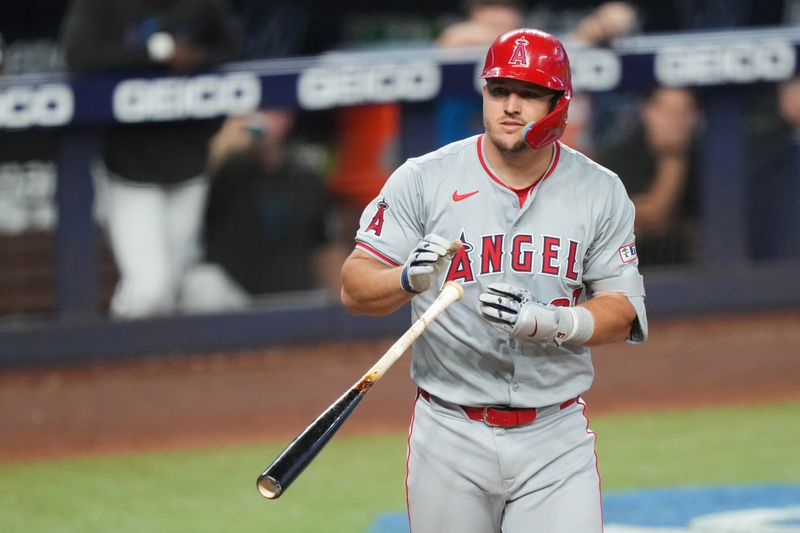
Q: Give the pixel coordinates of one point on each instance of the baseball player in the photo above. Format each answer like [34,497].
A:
[498,439]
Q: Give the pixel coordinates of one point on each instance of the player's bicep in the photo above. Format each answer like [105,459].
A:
[613,246]
[361,266]
[369,286]
[612,263]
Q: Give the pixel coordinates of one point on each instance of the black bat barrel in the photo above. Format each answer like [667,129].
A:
[301,451]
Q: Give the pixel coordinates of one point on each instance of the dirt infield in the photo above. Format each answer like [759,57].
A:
[208,400]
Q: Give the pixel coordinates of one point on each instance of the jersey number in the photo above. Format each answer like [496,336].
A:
[565,302]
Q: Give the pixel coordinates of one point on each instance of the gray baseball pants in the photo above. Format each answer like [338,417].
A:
[466,477]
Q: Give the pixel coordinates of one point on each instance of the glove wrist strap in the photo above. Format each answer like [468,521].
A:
[575,326]
[405,283]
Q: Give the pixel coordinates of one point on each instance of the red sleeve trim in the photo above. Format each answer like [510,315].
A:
[376,254]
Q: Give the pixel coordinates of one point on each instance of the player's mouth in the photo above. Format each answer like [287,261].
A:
[511,126]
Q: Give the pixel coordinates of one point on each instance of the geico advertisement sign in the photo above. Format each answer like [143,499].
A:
[595,69]
[206,96]
[329,86]
[43,105]
[710,64]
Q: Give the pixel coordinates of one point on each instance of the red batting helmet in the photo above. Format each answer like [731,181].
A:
[536,57]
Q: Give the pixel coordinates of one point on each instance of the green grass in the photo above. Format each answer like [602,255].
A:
[700,447]
[355,479]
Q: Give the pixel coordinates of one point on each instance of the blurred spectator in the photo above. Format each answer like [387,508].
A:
[589,113]
[460,117]
[31,31]
[689,15]
[656,160]
[27,175]
[365,151]
[265,221]
[791,12]
[27,214]
[775,184]
[485,20]
[275,29]
[156,189]
[609,21]
[365,147]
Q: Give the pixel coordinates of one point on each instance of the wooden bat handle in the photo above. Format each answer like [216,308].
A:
[451,292]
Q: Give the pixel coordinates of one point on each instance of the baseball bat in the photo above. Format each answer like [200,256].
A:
[291,462]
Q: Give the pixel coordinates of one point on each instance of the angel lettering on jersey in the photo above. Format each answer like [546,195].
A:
[543,254]
[461,264]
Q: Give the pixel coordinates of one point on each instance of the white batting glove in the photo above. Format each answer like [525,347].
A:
[517,312]
[424,264]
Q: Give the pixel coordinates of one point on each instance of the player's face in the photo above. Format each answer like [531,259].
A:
[508,105]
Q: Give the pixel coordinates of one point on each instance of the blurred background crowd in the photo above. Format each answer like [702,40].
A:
[221,214]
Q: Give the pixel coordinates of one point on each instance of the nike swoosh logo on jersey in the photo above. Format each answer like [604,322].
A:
[458,197]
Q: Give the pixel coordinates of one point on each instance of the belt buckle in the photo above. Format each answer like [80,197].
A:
[486,417]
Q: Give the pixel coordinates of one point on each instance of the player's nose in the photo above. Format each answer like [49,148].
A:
[513,104]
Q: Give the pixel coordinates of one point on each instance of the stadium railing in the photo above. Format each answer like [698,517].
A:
[724,278]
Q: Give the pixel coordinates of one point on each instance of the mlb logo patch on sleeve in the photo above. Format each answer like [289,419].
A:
[628,253]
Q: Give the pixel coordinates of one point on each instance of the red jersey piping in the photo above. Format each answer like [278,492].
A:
[521,193]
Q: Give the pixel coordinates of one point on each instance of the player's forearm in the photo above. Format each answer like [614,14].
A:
[613,316]
[371,288]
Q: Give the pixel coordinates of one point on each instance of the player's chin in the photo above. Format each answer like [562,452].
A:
[507,143]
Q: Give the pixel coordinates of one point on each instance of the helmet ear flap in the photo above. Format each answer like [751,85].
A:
[527,128]
[548,129]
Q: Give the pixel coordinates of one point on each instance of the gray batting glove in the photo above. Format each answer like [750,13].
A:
[424,264]
[517,312]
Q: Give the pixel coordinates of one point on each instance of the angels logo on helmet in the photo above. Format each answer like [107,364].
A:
[519,56]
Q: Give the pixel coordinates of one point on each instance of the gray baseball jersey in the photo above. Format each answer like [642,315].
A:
[574,228]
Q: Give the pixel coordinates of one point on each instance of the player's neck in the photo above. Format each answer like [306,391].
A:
[520,169]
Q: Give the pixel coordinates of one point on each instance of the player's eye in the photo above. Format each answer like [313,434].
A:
[534,95]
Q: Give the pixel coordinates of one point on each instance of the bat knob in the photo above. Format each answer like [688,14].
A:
[457,287]
[269,487]
[454,247]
